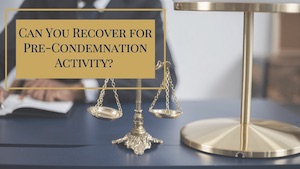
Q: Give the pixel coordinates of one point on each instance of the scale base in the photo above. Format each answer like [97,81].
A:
[138,142]
[259,139]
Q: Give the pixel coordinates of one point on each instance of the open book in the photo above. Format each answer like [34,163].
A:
[13,102]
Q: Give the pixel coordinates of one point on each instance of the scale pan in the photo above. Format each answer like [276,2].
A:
[164,113]
[105,112]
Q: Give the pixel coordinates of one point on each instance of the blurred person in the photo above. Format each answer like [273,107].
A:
[85,95]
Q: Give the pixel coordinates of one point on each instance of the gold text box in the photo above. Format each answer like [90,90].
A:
[85,49]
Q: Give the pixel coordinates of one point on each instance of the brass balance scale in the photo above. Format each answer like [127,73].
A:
[242,137]
[138,139]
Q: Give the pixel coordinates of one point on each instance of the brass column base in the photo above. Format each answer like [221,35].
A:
[259,139]
[137,142]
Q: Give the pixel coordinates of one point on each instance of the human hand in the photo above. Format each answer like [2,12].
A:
[3,95]
[67,94]
[18,83]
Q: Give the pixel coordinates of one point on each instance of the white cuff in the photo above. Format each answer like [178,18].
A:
[91,95]
[10,78]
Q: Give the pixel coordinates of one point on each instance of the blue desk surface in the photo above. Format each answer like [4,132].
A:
[81,140]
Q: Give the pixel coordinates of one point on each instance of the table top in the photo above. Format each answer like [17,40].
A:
[273,6]
[80,140]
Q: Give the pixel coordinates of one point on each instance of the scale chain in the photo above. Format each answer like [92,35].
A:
[102,94]
[168,83]
[156,96]
[174,96]
[116,95]
[167,90]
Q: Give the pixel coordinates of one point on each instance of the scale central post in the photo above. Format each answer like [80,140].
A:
[247,68]
[247,80]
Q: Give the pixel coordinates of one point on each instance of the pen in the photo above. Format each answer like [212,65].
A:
[4,94]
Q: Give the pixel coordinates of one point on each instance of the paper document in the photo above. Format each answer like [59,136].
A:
[13,102]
